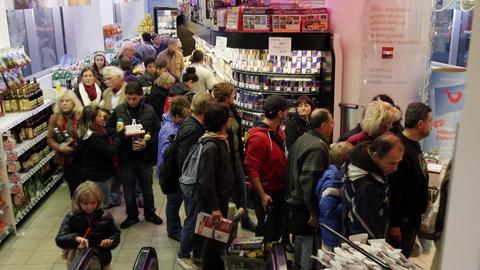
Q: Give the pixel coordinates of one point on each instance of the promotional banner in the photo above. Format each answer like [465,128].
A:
[26,4]
[396,49]
[446,98]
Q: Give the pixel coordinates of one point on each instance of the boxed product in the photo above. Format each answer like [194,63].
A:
[316,20]
[249,243]
[256,20]
[286,20]
[209,227]
[234,22]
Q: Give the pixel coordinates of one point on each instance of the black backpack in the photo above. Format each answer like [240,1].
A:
[169,174]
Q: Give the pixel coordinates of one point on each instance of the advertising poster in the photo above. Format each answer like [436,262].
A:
[26,4]
[396,48]
[446,98]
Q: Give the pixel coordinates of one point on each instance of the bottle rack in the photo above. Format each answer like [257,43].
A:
[27,172]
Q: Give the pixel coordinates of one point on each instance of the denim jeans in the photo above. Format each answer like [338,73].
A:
[240,187]
[303,249]
[130,172]
[105,186]
[212,249]
[189,241]
[271,224]
[115,191]
[174,224]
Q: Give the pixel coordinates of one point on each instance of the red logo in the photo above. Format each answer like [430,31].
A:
[387,52]
[438,123]
[454,97]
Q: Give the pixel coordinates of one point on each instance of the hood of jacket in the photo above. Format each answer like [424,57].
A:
[361,164]
[274,136]
[167,118]
[179,89]
[212,136]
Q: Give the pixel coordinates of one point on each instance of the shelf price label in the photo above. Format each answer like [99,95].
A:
[280,46]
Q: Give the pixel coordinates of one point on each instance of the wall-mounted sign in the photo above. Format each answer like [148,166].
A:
[280,46]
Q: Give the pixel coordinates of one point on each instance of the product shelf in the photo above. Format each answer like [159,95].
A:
[278,75]
[271,92]
[24,146]
[4,235]
[36,200]
[24,177]
[10,120]
[260,112]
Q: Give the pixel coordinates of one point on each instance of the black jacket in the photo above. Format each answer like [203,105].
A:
[157,99]
[145,115]
[76,224]
[179,89]
[294,128]
[186,37]
[239,137]
[188,134]
[216,177]
[146,80]
[97,156]
[409,184]
[366,194]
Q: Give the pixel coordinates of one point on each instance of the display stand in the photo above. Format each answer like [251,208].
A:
[165,21]
[27,173]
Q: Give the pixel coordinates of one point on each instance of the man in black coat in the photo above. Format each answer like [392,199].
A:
[138,153]
[409,184]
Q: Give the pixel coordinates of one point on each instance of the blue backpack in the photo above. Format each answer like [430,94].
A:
[189,179]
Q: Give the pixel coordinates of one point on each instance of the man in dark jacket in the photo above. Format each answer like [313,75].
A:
[190,131]
[265,165]
[185,35]
[409,184]
[216,179]
[307,160]
[366,185]
[138,155]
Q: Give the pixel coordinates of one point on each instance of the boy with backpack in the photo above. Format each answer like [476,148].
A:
[179,110]
[329,194]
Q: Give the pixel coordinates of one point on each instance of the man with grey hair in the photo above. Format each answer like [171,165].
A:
[366,187]
[308,158]
[174,57]
[127,50]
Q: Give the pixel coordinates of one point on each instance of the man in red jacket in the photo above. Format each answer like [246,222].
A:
[265,165]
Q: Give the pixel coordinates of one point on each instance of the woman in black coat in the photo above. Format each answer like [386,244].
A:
[225,93]
[299,124]
[160,91]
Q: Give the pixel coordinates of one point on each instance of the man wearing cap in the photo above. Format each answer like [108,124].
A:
[307,160]
[265,165]
[174,57]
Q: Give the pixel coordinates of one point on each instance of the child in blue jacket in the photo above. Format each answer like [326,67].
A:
[329,194]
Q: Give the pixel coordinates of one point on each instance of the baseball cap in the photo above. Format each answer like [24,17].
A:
[275,103]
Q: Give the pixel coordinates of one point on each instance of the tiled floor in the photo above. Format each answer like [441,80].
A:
[34,246]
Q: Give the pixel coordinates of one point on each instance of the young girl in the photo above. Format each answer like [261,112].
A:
[87,225]
[99,62]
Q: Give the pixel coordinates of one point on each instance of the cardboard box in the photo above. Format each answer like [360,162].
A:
[207,227]
[249,243]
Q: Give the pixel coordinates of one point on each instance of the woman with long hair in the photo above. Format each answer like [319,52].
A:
[300,123]
[97,149]
[99,62]
[62,136]
[225,93]
[88,90]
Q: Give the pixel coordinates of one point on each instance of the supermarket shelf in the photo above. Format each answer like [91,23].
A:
[10,120]
[279,75]
[3,210]
[250,110]
[271,92]
[34,202]
[24,177]
[4,235]
[24,146]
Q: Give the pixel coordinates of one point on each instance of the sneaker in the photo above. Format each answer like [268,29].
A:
[128,222]
[154,219]
[186,263]
[197,261]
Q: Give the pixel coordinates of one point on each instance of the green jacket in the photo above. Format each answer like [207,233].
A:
[307,160]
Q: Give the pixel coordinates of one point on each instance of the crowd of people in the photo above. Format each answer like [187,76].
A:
[373,181]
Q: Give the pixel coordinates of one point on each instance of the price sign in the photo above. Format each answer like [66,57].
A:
[221,45]
[280,46]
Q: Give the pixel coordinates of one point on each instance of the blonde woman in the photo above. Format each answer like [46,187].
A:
[62,136]
[160,92]
[378,119]
[115,93]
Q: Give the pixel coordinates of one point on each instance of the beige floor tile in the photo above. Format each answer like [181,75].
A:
[127,255]
[48,244]
[138,242]
[41,257]
[37,267]
[16,257]
[124,266]
[166,254]
[163,242]
[59,266]
[33,233]
[24,244]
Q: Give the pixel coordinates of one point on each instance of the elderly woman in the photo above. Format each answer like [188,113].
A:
[115,93]
[378,120]
[62,136]
[88,91]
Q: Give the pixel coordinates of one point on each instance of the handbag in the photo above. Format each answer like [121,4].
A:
[69,254]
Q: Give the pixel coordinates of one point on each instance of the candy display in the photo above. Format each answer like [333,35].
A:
[12,59]
[111,30]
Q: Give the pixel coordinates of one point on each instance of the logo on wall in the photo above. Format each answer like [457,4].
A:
[449,99]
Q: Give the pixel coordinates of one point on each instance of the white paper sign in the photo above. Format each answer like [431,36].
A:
[221,45]
[280,46]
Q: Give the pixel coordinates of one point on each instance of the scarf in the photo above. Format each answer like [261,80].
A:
[215,135]
[70,124]
[90,94]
